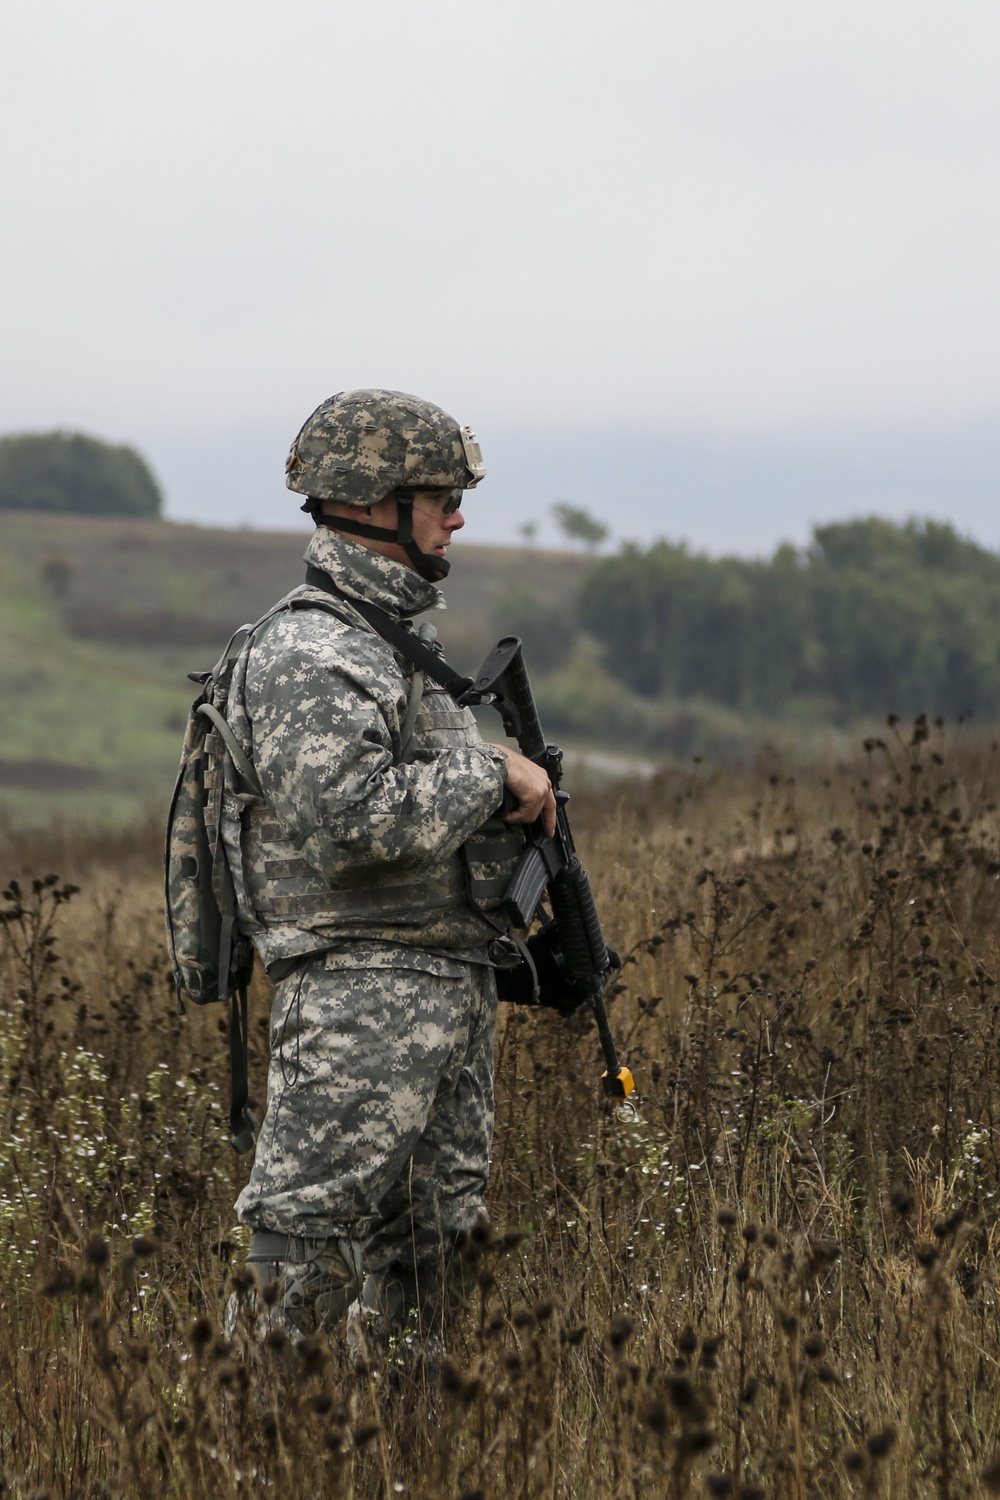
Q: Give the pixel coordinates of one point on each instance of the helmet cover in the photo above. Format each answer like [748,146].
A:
[359,446]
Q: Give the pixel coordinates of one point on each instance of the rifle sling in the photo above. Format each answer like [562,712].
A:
[399,638]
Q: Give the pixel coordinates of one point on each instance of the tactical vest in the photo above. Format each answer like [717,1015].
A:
[289,908]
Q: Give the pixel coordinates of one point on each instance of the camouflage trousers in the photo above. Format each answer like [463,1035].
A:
[380,1105]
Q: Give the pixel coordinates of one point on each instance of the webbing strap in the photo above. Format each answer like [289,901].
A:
[242,761]
[412,709]
[396,636]
[241,1122]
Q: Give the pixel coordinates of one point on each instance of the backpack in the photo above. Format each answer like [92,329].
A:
[212,960]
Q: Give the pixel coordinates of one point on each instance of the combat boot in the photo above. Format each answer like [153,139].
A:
[301,1285]
[400,1315]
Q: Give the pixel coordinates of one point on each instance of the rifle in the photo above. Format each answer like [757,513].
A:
[551,864]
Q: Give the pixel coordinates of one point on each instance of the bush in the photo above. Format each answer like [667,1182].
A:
[68,471]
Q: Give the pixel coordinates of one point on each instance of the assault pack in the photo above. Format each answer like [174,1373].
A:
[212,960]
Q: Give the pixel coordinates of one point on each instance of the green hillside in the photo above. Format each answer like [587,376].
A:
[101,618]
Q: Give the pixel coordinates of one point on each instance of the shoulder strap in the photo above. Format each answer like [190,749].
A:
[396,636]
[243,763]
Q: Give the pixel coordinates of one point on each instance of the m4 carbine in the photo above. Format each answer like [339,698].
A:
[550,864]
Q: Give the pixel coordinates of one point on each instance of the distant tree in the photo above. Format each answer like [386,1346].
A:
[68,471]
[578,524]
[871,615]
[529,531]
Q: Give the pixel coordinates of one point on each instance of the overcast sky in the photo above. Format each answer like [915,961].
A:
[714,269]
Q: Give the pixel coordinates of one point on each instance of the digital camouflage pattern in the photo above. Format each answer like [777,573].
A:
[380,1103]
[380,1092]
[356,841]
[358,446]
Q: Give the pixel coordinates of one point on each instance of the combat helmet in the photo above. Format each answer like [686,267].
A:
[360,446]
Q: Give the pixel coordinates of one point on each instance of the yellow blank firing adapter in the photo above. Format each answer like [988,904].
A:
[618,1087]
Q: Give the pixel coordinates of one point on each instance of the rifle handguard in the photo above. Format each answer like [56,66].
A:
[584,950]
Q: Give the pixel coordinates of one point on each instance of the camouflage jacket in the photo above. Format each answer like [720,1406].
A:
[356,840]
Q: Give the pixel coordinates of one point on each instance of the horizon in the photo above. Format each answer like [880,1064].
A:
[739,494]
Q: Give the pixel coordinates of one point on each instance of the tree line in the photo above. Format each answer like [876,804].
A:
[871,616]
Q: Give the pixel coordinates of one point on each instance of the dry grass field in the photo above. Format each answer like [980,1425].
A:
[781,1280]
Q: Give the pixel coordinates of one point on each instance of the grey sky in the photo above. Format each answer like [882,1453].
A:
[726,240]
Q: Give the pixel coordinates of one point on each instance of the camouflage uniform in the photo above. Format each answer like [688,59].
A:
[370,878]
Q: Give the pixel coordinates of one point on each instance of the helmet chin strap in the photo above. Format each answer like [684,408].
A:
[430,567]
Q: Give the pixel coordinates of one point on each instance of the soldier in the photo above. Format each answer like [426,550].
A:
[370,878]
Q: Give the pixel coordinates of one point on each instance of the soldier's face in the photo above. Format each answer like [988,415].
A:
[435,519]
[433,526]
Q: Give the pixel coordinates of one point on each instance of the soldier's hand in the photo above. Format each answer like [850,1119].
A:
[532,788]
